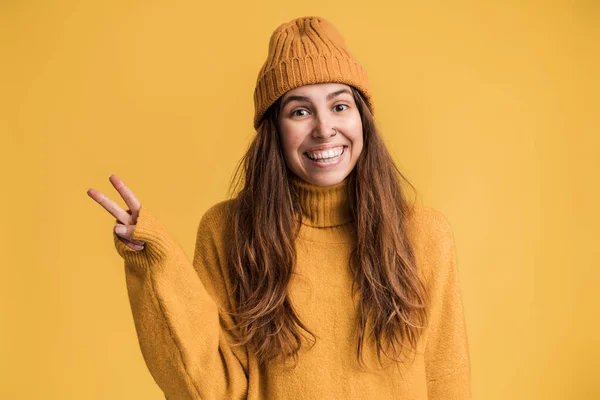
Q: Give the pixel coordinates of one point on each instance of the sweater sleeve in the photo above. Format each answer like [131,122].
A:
[447,360]
[177,321]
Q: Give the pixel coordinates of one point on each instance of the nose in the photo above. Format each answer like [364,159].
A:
[324,129]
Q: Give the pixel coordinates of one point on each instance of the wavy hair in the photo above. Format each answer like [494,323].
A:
[261,258]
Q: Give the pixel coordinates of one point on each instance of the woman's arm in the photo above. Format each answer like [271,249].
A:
[178,322]
[447,360]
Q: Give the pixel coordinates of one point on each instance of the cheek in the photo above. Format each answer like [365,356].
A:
[358,147]
[357,134]
[290,141]
[290,145]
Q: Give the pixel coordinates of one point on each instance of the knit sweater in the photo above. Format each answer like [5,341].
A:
[177,310]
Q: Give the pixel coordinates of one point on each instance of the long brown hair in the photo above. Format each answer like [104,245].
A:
[262,255]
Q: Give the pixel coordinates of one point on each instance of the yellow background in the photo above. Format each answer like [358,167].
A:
[490,109]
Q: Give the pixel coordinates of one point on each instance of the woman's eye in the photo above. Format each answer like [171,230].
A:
[295,111]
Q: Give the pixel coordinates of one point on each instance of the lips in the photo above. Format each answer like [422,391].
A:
[323,152]
[326,147]
[329,162]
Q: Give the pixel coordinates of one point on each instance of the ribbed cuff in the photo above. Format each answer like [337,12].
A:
[159,242]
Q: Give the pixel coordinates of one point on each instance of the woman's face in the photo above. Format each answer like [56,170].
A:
[311,147]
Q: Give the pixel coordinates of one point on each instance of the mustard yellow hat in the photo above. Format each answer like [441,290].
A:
[305,51]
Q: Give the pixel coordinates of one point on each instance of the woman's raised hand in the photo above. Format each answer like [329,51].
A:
[127,220]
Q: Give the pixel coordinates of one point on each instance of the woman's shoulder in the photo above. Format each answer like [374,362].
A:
[219,212]
[213,223]
[429,228]
[428,218]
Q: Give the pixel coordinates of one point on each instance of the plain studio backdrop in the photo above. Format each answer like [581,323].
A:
[489,108]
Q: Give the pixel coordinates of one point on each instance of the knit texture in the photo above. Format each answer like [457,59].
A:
[177,309]
[306,51]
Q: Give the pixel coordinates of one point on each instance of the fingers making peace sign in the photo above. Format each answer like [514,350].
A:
[127,220]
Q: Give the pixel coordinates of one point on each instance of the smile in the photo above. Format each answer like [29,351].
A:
[326,158]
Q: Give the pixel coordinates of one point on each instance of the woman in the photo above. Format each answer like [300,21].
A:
[318,279]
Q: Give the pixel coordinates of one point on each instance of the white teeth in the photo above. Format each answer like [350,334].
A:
[326,156]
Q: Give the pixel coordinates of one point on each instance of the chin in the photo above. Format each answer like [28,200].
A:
[331,180]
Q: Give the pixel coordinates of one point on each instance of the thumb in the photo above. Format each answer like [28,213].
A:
[126,232]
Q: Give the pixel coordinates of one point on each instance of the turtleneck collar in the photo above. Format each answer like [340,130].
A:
[323,206]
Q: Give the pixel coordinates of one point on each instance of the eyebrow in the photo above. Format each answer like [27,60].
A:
[307,99]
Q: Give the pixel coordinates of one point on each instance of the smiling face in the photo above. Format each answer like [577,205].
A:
[313,149]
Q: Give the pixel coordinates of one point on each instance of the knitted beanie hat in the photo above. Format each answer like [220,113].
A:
[305,51]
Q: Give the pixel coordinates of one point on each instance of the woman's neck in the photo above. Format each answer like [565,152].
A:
[323,206]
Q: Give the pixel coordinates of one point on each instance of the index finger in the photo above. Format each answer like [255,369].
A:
[132,202]
[113,208]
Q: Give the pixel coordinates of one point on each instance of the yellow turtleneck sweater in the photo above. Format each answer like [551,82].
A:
[176,309]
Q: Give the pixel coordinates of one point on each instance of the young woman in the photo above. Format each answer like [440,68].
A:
[318,279]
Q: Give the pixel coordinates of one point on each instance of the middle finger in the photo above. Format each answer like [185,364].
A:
[126,193]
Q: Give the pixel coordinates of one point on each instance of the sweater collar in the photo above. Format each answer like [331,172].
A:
[323,206]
